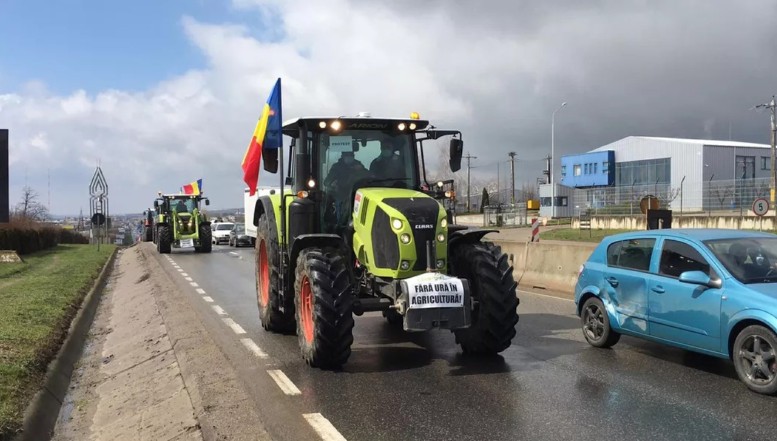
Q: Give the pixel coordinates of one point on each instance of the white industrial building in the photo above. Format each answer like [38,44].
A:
[685,174]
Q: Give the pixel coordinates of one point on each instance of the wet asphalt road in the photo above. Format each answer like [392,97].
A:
[550,385]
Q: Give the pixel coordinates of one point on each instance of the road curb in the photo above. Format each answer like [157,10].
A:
[40,416]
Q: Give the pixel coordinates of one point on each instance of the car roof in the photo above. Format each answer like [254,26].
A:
[700,234]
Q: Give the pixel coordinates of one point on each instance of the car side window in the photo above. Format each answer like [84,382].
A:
[678,257]
[632,254]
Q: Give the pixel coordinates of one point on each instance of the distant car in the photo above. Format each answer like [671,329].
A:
[238,236]
[221,232]
[709,291]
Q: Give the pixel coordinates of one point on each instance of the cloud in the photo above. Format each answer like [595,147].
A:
[686,69]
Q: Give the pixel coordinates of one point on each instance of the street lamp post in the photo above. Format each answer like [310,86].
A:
[552,176]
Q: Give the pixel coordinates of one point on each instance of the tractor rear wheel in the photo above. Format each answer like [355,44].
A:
[324,307]
[490,278]
[268,282]
[165,239]
[147,234]
[205,237]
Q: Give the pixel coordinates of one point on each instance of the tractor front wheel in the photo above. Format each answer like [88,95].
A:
[324,307]
[495,314]
[268,282]
[205,237]
[165,239]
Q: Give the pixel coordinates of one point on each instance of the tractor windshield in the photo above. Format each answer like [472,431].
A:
[363,158]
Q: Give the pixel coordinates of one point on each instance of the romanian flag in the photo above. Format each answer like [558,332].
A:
[267,135]
[193,188]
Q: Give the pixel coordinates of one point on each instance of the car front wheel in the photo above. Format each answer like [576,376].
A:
[596,324]
[755,359]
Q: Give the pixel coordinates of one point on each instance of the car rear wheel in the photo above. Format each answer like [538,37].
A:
[755,359]
[596,324]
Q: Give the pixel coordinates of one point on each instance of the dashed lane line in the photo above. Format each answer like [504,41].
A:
[194,284]
[218,310]
[184,274]
[323,427]
[208,299]
[251,346]
[179,270]
[200,291]
[284,382]
[235,327]
[188,279]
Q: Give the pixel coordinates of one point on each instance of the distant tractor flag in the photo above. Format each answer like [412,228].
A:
[192,188]
[267,135]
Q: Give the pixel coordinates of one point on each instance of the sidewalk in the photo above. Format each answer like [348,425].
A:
[128,384]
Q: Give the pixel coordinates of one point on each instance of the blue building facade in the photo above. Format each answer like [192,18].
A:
[592,169]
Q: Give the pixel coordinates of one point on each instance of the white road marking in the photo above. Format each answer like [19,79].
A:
[235,327]
[194,284]
[200,291]
[184,274]
[179,270]
[188,279]
[283,382]
[218,310]
[234,253]
[323,427]
[208,299]
[251,346]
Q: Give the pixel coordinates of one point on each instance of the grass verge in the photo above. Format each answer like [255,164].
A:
[578,235]
[38,300]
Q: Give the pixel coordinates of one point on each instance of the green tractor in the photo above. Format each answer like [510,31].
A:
[359,228]
[181,224]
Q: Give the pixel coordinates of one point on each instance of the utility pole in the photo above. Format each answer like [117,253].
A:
[498,184]
[468,167]
[512,173]
[771,106]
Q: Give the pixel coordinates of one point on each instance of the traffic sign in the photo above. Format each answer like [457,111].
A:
[98,219]
[760,206]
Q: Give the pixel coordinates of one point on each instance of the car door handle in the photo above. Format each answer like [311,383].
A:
[612,281]
[658,289]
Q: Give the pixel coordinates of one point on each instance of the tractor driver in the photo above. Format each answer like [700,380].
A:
[389,164]
[339,183]
[180,206]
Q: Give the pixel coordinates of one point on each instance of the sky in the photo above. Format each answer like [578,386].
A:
[161,93]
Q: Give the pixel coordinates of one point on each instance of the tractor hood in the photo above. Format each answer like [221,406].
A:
[396,225]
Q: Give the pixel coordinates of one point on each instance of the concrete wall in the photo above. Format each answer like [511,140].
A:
[640,222]
[551,266]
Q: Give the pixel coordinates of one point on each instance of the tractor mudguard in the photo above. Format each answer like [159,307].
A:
[467,236]
[316,240]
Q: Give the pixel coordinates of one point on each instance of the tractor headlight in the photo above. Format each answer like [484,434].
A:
[322,124]
[405,238]
[405,265]
[412,126]
[396,224]
[401,126]
[440,237]
[443,223]
[335,125]
[440,263]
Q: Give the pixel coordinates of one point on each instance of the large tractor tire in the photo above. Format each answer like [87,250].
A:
[268,282]
[206,236]
[148,234]
[324,307]
[490,278]
[165,239]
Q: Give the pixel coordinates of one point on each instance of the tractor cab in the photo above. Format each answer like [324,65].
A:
[180,223]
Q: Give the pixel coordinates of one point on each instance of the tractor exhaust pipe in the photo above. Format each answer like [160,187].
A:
[430,260]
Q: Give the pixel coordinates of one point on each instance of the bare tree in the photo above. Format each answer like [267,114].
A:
[723,193]
[29,208]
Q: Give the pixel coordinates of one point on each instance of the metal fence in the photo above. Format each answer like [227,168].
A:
[721,197]
[505,215]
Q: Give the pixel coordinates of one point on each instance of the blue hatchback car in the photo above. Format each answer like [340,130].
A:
[707,290]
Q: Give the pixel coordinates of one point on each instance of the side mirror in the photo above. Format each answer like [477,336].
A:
[456,152]
[156,204]
[270,160]
[699,278]
[207,201]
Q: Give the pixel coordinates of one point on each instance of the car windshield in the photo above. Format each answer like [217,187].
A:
[239,228]
[224,226]
[749,260]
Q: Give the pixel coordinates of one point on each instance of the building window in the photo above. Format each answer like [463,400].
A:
[577,170]
[605,167]
[586,169]
[745,167]
[766,163]
[563,171]
[595,164]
